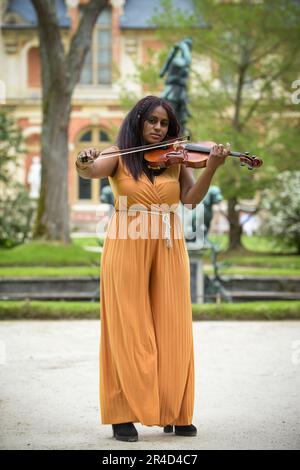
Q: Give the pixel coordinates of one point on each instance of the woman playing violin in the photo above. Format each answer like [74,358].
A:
[146,346]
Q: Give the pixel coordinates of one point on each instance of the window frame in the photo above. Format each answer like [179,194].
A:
[96,183]
[94,51]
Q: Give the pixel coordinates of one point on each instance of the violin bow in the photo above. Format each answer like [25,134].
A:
[142,148]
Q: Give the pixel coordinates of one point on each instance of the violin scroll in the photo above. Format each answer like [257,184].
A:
[252,161]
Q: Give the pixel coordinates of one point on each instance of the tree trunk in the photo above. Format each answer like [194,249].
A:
[60,73]
[52,221]
[235,229]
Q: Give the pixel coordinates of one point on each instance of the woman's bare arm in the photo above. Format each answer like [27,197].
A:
[94,166]
[191,192]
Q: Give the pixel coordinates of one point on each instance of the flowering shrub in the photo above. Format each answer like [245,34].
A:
[16,208]
[282,206]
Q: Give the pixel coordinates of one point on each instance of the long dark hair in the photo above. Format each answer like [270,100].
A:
[131,134]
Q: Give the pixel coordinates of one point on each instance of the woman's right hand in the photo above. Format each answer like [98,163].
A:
[88,155]
[88,165]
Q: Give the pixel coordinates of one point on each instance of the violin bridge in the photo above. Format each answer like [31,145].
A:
[154,167]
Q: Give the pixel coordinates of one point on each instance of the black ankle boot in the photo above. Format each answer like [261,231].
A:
[189,430]
[125,432]
[168,429]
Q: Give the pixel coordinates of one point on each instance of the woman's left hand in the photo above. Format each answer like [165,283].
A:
[217,156]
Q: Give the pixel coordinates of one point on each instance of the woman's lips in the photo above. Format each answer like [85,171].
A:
[155,135]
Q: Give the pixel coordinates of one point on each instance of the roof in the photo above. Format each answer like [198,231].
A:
[138,13]
[21,14]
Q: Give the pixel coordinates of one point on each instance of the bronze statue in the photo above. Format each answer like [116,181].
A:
[178,67]
[213,196]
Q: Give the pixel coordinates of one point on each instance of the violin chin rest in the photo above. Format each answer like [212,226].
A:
[155,167]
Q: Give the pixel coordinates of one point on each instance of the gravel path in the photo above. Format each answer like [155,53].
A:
[247,387]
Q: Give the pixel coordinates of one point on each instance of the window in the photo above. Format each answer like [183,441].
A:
[98,63]
[33,68]
[85,189]
[90,189]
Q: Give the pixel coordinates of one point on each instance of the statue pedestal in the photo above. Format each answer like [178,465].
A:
[194,230]
[196,276]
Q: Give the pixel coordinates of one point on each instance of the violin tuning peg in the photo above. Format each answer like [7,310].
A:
[246,153]
[243,164]
[250,167]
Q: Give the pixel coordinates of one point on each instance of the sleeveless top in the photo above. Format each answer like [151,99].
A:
[164,190]
[162,197]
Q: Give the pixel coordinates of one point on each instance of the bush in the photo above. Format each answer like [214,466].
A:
[16,212]
[282,203]
[16,208]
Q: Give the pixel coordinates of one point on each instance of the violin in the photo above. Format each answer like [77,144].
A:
[176,150]
[193,155]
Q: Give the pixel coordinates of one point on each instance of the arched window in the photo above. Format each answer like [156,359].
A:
[90,189]
[98,62]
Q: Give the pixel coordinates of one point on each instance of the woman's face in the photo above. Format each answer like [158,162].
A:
[156,125]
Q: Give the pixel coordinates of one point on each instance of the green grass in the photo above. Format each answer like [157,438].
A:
[266,245]
[41,271]
[271,261]
[255,243]
[26,309]
[88,241]
[252,271]
[47,254]
[82,271]
[275,310]
[56,259]
[271,310]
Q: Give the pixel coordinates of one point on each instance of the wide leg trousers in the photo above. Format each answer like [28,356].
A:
[146,343]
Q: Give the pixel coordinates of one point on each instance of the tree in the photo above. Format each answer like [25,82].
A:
[253,48]
[60,73]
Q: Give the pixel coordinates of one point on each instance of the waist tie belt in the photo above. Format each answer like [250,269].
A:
[165,218]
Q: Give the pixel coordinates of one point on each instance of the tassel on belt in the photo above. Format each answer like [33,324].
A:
[165,218]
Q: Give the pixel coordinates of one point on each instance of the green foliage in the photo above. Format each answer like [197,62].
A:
[243,94]
[253,48]
[282,203]
[127,98]
[10,145]
[146,76]
[16,208]
[16,212]
[246,98]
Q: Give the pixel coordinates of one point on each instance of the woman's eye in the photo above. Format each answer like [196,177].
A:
[154,120]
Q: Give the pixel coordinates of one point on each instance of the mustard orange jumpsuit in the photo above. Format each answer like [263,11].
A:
[146,341]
